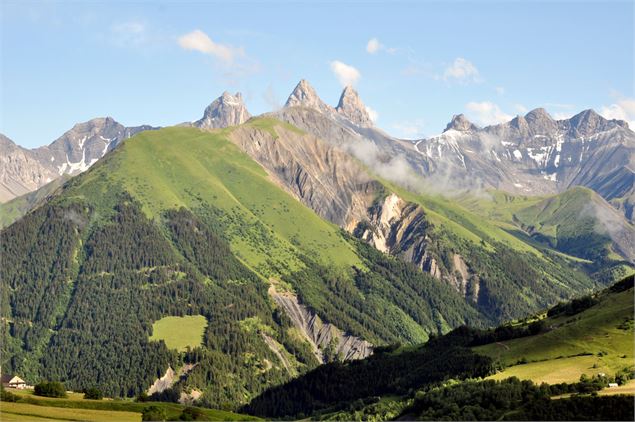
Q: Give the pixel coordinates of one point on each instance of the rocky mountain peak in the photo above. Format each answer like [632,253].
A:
[352,107]
[538,115]
[588,123]
[461,123]
[226,110]
[540,121]
[305,96]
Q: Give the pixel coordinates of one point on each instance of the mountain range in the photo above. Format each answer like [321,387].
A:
[529,155]
[301,236]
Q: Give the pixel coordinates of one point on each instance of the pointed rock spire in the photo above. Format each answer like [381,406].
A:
[461,123]
[305,96]
[352,107]
[226,110]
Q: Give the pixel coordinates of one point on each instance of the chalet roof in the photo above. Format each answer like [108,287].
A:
[12,379]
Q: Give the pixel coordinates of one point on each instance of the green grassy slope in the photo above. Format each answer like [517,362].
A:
[177,167]
[568,222]
[17,207]
[598,339]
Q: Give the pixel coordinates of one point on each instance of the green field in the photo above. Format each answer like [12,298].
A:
[24,411]
[599,339]
[31,407]
[179,333]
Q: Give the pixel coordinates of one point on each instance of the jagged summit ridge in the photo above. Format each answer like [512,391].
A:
[304,95]
[352,107]
[226,110]
[461,123]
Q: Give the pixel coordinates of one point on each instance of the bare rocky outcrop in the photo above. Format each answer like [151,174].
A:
[23,170]
[319,334]
[227,110]
[163,383]
[170,378]
[351,107]
[20,171]
[191,397]
[304,95]
[320,175]
[400,228]
[461,123]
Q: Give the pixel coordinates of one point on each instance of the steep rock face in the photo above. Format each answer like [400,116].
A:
[304,95]
[24,171]
[400,228]
[79,148]
[318,174]
[461,123]
[351,107]
[319,334]
[227,110]
[20,170]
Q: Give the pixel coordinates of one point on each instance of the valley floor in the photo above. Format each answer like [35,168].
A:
[74,408]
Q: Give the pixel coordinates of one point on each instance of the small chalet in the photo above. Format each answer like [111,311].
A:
[13,381]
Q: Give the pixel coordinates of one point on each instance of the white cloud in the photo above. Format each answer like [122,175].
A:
[500,90]
[410,129]
[622,109]
[346,74]
[521,108]
[373,46]
[372,114]
[462,71]
[486,113]
[198,40]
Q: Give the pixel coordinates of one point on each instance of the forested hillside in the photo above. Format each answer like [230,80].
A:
[441,378]
[181,222]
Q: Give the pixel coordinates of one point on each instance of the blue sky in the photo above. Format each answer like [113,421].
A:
[161,63]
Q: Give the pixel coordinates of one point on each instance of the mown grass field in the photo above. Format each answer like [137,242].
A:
[24,411]
[179,333]
[554,356]
[31,407]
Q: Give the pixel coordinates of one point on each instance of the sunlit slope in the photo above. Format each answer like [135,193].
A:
[600,339]
[184,167]
[577,222]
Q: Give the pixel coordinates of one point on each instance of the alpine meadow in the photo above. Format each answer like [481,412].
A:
[310,259]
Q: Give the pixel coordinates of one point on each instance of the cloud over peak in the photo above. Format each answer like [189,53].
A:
[345,74]
[198,40]
[486,113]
[622,109]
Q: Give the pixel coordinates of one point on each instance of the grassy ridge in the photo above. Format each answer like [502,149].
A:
[177,167]
[599,339]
